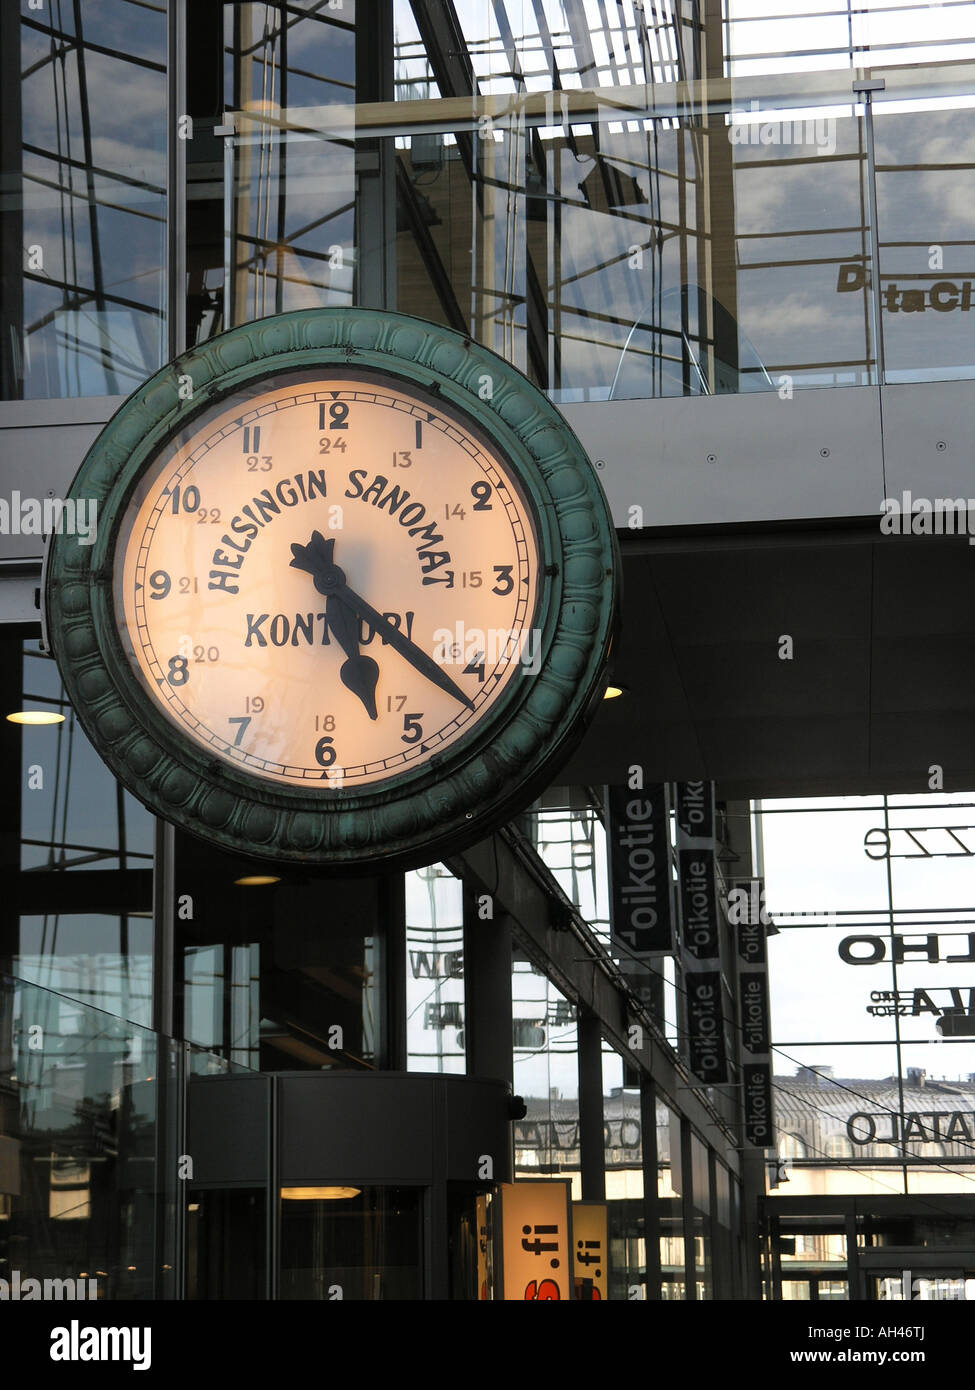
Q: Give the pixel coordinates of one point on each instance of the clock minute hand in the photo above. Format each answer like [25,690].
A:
[402,644]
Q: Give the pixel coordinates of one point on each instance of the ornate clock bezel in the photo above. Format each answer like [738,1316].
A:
[483,778]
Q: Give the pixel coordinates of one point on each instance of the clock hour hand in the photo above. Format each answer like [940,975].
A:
[359,673]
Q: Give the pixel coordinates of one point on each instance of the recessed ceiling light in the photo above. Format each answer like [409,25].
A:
[36,716]
[256,880]
[318,1194]
[613,692]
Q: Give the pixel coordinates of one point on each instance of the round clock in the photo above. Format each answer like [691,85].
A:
[352,591]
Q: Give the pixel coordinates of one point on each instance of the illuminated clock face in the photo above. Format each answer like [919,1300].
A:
[328,579]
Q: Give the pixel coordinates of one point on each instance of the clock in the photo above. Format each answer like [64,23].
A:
[351,595]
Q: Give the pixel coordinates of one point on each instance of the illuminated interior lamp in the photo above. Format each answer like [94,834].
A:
[36,716]
[318,1194]
[256,880]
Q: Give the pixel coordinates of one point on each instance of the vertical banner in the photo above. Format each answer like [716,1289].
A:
[536,1231]
[590,1251]
[700,940]
[638,834]
[705,1026]
[746,913]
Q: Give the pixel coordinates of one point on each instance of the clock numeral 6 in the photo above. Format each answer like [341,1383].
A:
[325,754]
[412,729]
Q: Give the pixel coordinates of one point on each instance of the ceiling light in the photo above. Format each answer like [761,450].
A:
[613,692]
[256,880]
[318,1194]
[36,716]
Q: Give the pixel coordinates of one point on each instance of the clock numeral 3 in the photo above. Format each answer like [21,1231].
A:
[505,582]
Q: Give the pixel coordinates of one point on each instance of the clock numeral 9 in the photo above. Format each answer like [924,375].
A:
[481,492]
[185,499]
[179,671]
[505,582]
[412,729]
[160,584]
[325,754]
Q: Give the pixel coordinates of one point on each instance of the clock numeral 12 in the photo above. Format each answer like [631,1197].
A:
[338,415]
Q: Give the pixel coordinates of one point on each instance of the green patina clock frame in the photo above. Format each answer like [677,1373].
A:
[483,779]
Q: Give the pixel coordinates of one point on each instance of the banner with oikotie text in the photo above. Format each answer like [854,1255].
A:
[700,941]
